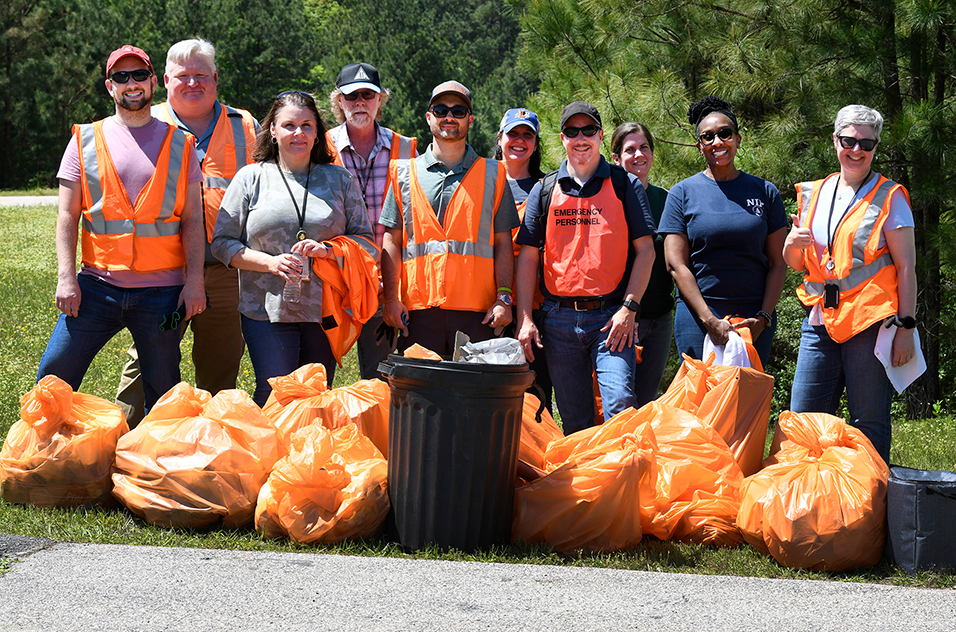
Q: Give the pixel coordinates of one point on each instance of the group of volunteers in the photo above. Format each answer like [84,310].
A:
[579,265]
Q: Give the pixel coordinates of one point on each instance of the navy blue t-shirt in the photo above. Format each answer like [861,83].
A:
[637,213]
[727,224]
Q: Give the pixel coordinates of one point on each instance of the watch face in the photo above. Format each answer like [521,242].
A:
[506,299]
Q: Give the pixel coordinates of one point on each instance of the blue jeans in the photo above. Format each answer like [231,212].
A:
[105,310]
[575,346]
[655,336]
[825,368]
[278,349]
[689,332]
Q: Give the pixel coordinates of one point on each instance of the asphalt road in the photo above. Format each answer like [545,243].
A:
[26,200]
[63,586]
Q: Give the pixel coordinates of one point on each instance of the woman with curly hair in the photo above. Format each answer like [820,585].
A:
[725,231]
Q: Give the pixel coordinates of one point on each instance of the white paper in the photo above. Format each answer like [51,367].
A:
[734,353]
[900,376]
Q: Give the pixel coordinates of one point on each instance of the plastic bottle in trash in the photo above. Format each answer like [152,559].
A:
[292,291]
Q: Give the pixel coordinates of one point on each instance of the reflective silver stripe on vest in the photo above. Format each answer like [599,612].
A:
[238,136]
[484,247]
[216,182]
[855,278]
[870,216]
[95,223]
[367,245]
[806,192]
[404,147]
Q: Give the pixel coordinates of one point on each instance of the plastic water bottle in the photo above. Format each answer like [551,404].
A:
[292,291]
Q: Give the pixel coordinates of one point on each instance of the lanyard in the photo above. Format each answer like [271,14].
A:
[832,235]
[305,199]
[370,165]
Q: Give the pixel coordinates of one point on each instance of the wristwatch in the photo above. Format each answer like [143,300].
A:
[634,306]
[907,322]
[506,299]
[765,315]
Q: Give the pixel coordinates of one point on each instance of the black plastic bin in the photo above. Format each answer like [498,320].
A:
[921,519]
[453,437]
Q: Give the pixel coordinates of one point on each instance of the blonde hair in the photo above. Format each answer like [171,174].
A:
[187,49]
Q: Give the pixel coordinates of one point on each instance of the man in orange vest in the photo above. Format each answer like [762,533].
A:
[593,222]
[133,180]
[225,140]
[447,256]
[365,148]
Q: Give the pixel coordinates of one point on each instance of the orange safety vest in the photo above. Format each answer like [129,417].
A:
[230,148]
[586,244]
[117,235]
[863,272]
[450,266]
[403,148]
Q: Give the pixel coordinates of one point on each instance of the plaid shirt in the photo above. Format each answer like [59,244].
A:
[371,174]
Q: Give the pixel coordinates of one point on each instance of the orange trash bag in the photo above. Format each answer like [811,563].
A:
[60,452]
[196,459]
[593,500]
[333,486]
[421,353]
[734,400]
[536,436]
[822,506]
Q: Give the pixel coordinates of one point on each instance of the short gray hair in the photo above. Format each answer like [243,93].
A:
[340,115]
[858,115]
[187,49]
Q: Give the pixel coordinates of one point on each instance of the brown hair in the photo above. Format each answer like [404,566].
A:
[624,130]
[267,150]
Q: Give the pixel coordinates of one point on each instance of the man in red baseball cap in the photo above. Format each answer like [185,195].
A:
[132,181]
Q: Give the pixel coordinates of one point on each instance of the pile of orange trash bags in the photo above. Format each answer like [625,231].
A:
[821,501]
[332,486]
[196,459]
[303,398]
[658,470]
[60,452]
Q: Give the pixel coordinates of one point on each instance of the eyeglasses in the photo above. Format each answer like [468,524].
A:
[458,111]
[708,137]
[587,130]
[298,92]
[122,76]
[866,144]
[367,95]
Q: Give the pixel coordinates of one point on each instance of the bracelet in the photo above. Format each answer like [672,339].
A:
[765,315]
[505,289]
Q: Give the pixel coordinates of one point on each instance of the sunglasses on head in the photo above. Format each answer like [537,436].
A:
[587,130]
[367,95]
[123,76]
[708,137]
[866,144]
[299,92]
[458,111]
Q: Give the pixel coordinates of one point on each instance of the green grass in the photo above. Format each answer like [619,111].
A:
[27,285]
[34,191]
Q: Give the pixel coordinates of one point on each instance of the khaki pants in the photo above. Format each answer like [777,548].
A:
[217,344]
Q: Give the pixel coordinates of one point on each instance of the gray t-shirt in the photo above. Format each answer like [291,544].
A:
[258,213]
[439,183]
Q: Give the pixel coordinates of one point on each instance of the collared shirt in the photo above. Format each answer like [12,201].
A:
[439,183]
[370,174]
[202,142]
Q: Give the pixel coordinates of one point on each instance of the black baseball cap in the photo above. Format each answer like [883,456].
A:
[580,107]
[358,76]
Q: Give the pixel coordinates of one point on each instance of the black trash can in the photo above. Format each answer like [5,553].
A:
[453,437]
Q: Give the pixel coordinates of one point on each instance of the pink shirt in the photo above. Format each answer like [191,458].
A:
[135,151]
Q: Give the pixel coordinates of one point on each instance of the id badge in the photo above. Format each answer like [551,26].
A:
[831,295]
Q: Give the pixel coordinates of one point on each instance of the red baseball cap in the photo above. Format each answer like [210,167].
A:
[127,51]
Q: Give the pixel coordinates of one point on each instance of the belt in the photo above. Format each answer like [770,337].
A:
[587,305]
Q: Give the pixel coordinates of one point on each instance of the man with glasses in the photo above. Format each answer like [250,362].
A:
[592,223]
[134,182]
[225,139]
[447,259]
[365,148]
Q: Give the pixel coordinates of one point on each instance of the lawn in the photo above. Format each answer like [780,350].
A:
[27,285]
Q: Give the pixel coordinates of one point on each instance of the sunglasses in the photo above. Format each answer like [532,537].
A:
[587,130]
[458,111]
[367,95]
[866,144]
[298,92]
[708,137]
[123,76]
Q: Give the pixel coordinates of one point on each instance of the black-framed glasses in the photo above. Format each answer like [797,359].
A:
[367,95]
[299,92]
[849,142]
[458,111]
[587,130]
[707,138]
[123,76]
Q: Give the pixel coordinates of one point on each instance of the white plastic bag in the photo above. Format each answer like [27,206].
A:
[494,351]
[734,353]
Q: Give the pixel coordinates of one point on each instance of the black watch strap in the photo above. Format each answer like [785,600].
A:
[634,306]
[907,322]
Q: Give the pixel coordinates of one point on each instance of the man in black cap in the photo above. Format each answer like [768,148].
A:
[448,260]
[592,224]
[364,147]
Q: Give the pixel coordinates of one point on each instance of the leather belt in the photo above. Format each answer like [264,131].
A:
[588,305]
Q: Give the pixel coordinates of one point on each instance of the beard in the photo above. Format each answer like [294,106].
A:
[135,106]
[459,132]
